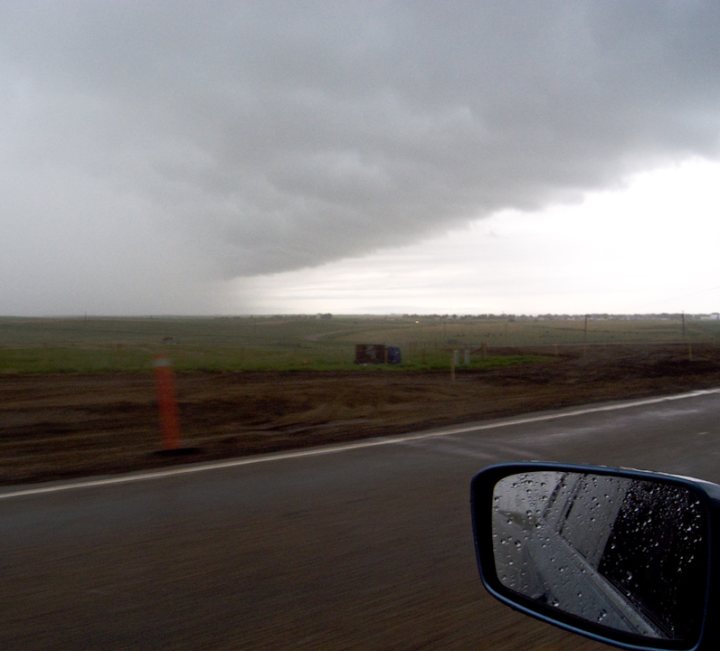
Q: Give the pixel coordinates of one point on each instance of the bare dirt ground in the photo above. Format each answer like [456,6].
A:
[62,426]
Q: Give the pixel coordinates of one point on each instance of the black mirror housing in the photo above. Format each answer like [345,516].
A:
[624,557]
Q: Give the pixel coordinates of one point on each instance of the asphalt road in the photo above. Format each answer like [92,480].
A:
[365,546]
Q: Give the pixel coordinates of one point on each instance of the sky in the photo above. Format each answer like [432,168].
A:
[365,157]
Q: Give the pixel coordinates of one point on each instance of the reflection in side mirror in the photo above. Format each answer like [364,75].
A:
[622,557]
[620,552]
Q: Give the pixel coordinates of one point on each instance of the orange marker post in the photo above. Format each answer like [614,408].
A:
[167,403]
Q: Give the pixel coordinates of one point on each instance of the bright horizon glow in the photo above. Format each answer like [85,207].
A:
[650,247]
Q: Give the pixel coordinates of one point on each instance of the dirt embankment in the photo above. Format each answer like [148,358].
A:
[64,426]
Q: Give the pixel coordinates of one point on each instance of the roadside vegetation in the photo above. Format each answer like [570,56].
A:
[98,345]
[78,398]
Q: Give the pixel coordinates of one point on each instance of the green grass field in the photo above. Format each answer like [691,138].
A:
[302,343]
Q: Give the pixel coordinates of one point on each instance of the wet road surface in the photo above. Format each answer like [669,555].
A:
[366,546]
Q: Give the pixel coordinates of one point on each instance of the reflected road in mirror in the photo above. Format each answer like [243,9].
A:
[628,554]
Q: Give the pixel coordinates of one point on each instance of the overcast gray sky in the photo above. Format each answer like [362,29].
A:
[230,157]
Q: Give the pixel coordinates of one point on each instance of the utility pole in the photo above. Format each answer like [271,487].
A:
[586,318]
[683,324]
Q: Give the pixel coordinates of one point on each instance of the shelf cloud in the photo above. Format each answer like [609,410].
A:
[248,138]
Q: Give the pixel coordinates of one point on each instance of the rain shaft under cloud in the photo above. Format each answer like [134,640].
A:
[147,146]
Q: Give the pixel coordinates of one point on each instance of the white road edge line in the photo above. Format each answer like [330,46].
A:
[333,449]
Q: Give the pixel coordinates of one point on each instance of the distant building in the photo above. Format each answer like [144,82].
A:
[369,354]
[377,354]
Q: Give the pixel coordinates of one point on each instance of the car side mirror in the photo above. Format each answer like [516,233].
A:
[621,556]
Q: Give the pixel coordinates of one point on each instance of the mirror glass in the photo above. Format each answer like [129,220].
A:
[628,554]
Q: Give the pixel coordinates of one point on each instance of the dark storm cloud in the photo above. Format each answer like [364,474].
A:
[268,136]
